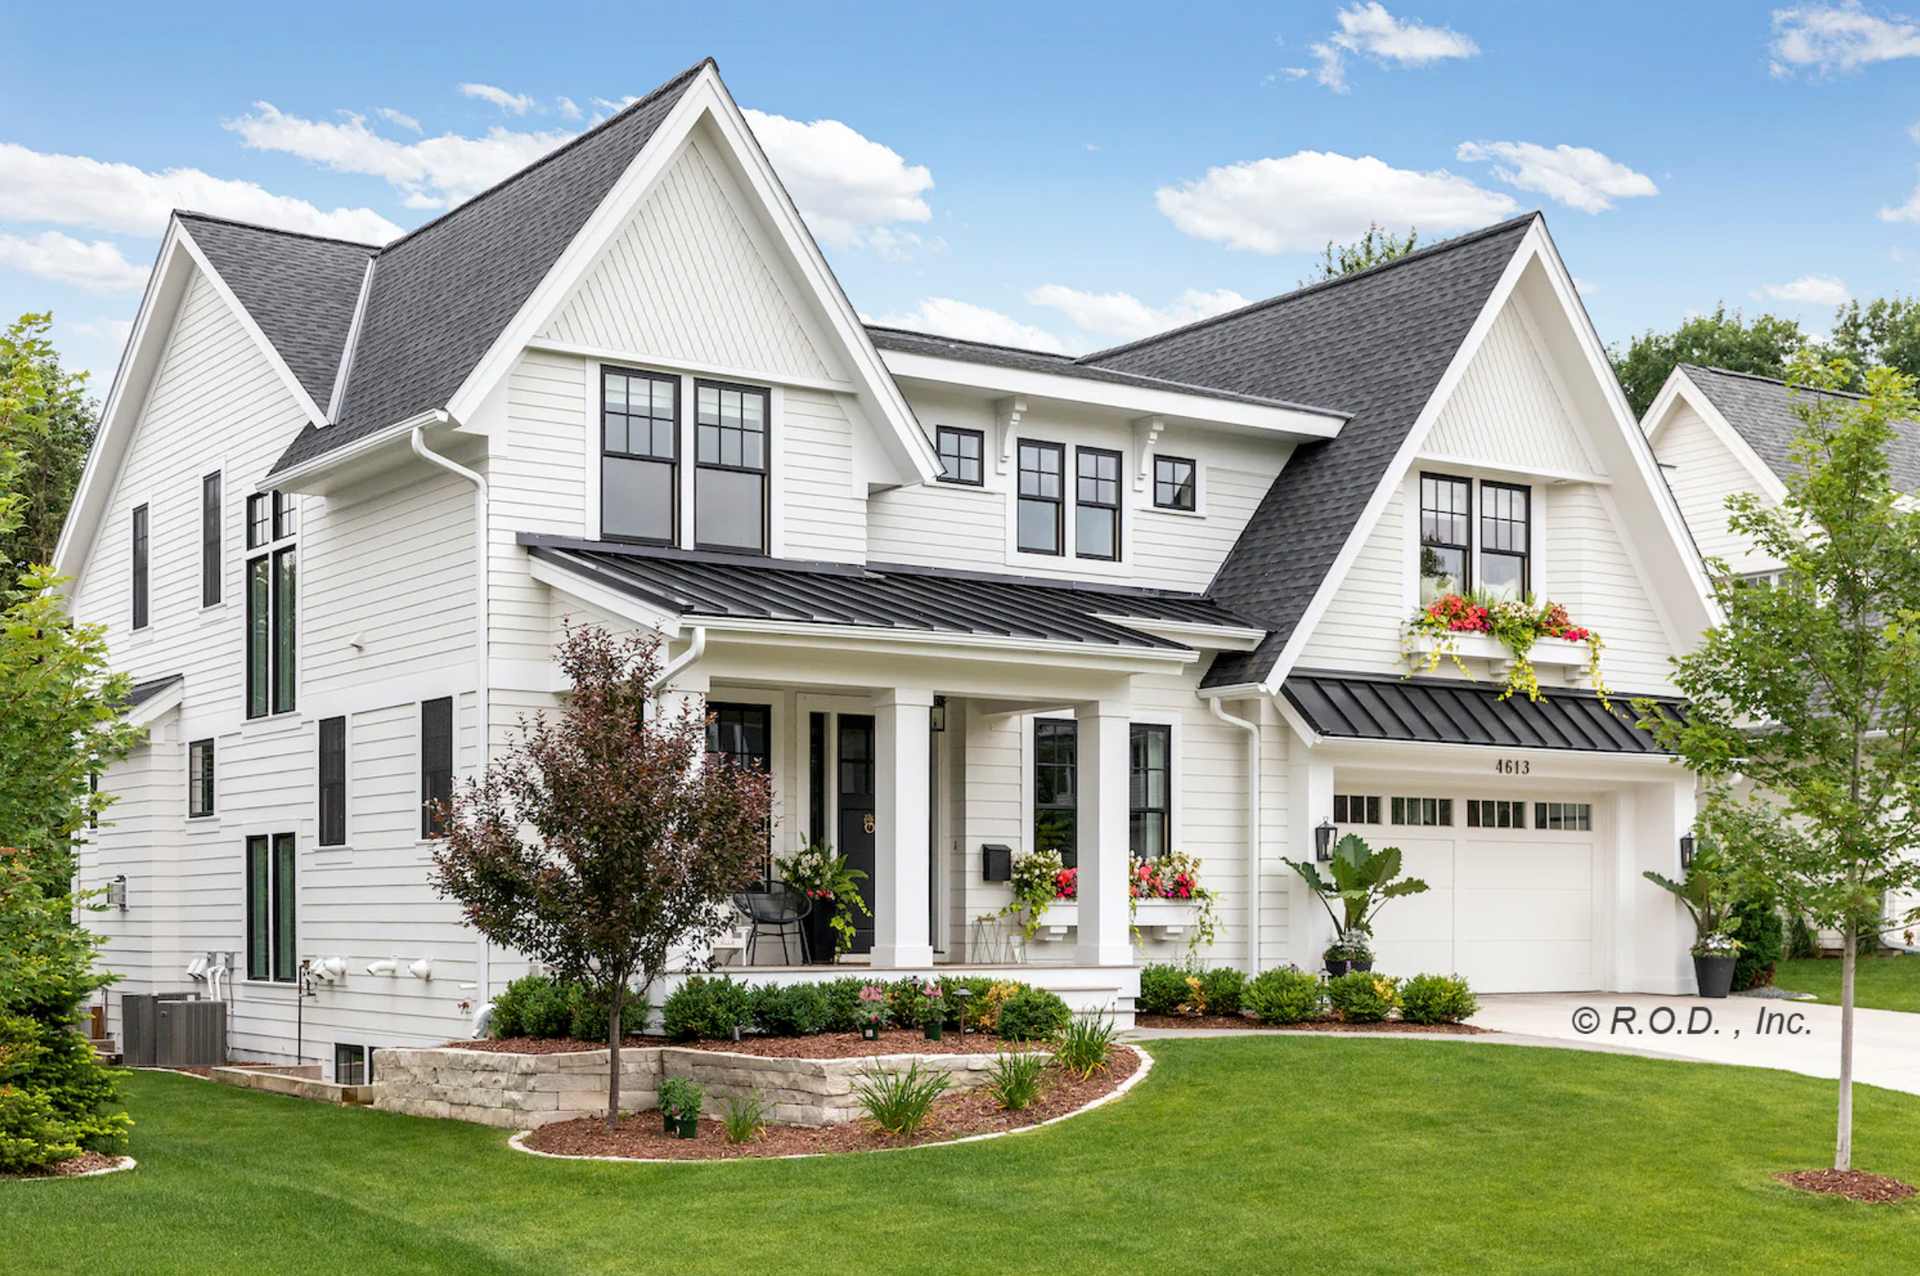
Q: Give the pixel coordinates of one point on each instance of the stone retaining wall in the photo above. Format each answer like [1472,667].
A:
[521,1091]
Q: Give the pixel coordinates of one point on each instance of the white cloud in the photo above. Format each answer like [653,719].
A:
[112,331]
[1368,30]
[946,317]
[1119,314]
[98,267]
[434,172]
[1812,290]
[1830,38]
[511,103]
[1577,176]
[1300,203]
[844,183]
[568,110]
[900,245]
[73,190]
[401,118]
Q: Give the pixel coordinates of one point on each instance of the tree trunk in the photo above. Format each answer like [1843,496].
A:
[616,1002]
[1843,1145]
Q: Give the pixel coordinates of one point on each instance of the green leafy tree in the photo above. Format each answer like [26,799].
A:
[1764,347]
[1804,703]
[637,840]
[1376,246]
[1882,333]
[47,422]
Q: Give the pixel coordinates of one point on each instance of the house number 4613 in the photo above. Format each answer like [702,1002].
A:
[1512,766]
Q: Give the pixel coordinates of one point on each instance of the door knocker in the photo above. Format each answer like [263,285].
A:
[867,823]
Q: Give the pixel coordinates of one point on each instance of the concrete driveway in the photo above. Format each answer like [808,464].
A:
[1797,1036]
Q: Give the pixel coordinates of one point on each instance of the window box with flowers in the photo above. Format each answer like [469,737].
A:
[1169,902]
[1043,896]
[1515,636]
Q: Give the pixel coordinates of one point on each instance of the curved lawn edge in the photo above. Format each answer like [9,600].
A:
[1146,1065]
[120,1163]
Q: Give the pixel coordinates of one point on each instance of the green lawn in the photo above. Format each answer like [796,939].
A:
[1245,1155]
[1881,983]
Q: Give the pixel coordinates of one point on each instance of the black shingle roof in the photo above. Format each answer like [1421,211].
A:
[1376,343]
[1761,409]
[141,692]
[693,585]
[1443,711]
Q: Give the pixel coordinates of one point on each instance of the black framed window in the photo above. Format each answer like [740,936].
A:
[352,1065]
[1040,516]
[639,456]
[1563,817]
[273,520]
[1149,789]
[742,735]
[1505,538]
[1055,804]
[1096,503]
[271,942]
[730,466]
[817,761]
[333,781]
[1413,811]
[1175,483]
[140,548]
[1446,507]
[199,779]
[436,762]
[1355,808]
[1484,813]
[962,455]
[210,540]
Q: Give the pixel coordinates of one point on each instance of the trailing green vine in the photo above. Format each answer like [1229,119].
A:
[1514,623]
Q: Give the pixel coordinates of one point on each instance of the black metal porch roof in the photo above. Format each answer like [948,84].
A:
[1443,711]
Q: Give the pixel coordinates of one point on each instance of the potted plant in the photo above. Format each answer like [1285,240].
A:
[1710,892]
[1714,958]
[680,1107]
[1363,880]
[933,1009]
[833,884]
[873,1011]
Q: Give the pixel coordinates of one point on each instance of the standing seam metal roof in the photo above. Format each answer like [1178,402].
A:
[1442,711]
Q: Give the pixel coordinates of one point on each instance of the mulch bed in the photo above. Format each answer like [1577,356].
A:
[1855,1185]
[957,1116]
[85,1163]
[540,1045]
[1326,1023]
[826,1045]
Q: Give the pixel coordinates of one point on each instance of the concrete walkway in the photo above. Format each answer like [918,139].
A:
[1795,1036]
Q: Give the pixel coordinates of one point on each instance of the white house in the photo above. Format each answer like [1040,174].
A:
[344,497]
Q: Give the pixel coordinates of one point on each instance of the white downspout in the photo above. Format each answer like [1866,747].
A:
[1253,829]
[482,625]
[695,649]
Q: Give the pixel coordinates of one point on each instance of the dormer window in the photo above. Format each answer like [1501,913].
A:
[1505,532]
[730,467]
[1453,559]
[1173,483]
[1446,548]
[961,455]
[1096,506]
[1042,507]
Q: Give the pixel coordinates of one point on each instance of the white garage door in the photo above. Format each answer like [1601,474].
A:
[1511,910]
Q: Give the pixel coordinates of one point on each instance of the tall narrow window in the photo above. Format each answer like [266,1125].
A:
[1174,486]
[436,762]
[640,447]
[962,453]
[199,779]
[1096,503]
[1055,754]
[333,781]
[1504,537]
[742,734]
[210,540]
[273,520]
[140,567]
[817,761]
[1041,515]
[1446,506]
[1148,804]
[730,467]
[272,948]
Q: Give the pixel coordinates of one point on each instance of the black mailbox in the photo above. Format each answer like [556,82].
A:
[996,862]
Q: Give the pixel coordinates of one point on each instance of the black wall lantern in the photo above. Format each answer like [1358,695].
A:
[996,862]
[938,717]
[1323,840]
[1686,850]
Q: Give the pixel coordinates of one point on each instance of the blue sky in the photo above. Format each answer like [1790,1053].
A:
[1011,171]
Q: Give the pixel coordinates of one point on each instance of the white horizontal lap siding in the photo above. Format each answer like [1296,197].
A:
[1278,883]
[824,517]
[1506,408]
[1592,574]
[939,525]
[1703,472]
[1362,627]
[1181,551]
[538,482]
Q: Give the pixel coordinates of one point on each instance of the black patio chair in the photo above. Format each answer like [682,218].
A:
[776,909]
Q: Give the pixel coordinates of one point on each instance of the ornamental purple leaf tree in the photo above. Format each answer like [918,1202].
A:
[605,838]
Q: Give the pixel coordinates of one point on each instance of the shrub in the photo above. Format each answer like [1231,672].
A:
[680,1097]
[975,1001]
[587,1013]
[1086,1044]
[1163,989]
[532,1006]
[1363,997]
[1285,995]
[1801,940]
[32,1134]
[806,1009]
[1224,989]
[1436,999]
[1032,1014]
[904,996]
[1756,924]
[706,1009]
[987,1014]
[744,1115]
[1014,1079]
[843,1004]
[899,1102]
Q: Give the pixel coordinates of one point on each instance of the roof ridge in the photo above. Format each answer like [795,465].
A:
[557,151]
[1779,381]
[1433,249]
[278,230]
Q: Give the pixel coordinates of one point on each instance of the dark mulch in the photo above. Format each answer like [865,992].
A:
[1855,1185]
[1326,1023]
[827,1045]
[954,1117]
[85,1163]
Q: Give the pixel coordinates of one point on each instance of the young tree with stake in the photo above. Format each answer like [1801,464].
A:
[605,837]
[1804,705]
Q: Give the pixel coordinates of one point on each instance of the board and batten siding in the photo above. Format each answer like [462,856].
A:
[1703,472]
[1506,409]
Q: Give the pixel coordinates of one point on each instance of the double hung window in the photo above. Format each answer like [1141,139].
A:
[1096,504]
[1041,511]
[639,470]
[272,952]
[730,467]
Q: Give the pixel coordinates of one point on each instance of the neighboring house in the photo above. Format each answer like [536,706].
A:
[952,595]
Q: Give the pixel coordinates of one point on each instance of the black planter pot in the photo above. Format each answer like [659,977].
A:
[687,1127]
[1366,965]
[870,1032]
[1337,968]
[933,1031]
[666,1121]
[819,926]
[1714,975]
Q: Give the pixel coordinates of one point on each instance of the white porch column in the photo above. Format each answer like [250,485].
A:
[1309,929]
[902,768]
[1101,774]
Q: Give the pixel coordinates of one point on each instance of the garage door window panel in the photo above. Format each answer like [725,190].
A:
[1423,812]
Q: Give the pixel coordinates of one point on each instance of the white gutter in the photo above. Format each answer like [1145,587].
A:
[482,623]
[1253,828]
[695,649]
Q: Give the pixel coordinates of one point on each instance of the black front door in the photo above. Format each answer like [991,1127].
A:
[856,814]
